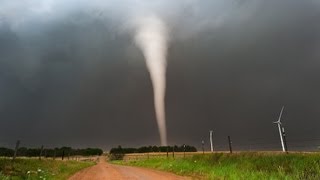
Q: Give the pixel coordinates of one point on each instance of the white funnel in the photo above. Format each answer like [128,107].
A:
[152,36]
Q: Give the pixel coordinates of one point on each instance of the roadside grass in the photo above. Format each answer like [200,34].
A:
[39,169]
[249,165]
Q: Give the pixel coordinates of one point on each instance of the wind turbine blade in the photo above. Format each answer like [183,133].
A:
[279,119]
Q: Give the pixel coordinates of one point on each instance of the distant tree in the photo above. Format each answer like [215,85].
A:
[155,149]
[6,152]
[34,152]
[23,151]
[145,149]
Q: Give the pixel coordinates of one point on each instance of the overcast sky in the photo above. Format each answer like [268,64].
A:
[71,75]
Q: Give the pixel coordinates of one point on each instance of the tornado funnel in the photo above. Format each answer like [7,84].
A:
[152,38]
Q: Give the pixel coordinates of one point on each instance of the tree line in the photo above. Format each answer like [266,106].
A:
[50,152]
[146,149]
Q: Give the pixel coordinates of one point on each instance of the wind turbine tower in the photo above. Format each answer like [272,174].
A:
[211,140]
[281,131]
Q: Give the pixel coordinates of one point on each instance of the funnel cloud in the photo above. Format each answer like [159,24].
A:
[152,36]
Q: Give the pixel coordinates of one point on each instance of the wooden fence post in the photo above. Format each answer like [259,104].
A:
[167,151]
[16,150]
[62,155]
[54,154]
[173,151]
[40,152]
[230,144]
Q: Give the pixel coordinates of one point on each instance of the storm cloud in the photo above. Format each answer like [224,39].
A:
[70,73]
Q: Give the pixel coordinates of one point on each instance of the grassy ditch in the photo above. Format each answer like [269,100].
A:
[238,165]
[39,169]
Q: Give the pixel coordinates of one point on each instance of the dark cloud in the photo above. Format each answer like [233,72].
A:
[79,80]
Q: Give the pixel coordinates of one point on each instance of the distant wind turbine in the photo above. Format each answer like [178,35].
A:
[211,141]
[281,130]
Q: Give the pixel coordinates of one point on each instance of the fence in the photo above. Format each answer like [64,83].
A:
[139,156]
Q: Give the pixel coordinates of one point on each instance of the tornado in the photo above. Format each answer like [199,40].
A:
[151,36]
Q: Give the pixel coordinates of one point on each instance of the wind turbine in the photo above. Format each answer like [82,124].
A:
[211,141]
[281,130]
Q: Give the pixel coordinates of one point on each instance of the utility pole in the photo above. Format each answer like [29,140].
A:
[211,140]
[16,150]
[230,144]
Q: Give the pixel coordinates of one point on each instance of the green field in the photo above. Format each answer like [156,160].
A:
[239,165]
[39,169]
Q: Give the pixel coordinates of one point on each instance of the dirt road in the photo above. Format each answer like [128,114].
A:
[104,170]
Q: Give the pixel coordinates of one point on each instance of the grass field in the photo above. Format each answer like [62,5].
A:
[39,169]
[239,165]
